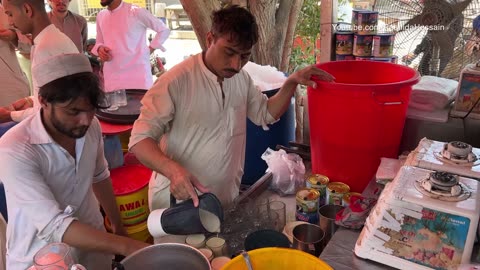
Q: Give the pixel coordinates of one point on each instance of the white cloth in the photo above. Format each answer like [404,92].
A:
[14,84]
[265,77]
[48,43]
[46,189]
[198,128]
[124,30]
[432,93]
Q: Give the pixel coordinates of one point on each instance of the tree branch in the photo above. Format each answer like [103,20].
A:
[295,8]
[264,12]
[281,28]
[199,13]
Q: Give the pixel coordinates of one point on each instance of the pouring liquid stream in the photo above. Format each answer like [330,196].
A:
[210,221]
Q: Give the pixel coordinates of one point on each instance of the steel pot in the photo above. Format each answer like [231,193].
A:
[169,256]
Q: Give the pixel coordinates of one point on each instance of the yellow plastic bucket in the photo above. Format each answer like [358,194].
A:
[130,186]
[124,138]
[138,232]
[278,259]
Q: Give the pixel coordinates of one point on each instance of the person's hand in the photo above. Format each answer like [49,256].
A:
[105,53]
[473,44]
[22,104]
[304,76]
[407,59]
[8,35]
[134,245]
[183,184]
[4,115]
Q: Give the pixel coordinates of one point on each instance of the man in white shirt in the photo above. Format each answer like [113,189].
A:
[55,173]
[121,44]
[71,24]
[192,126]
[30,17]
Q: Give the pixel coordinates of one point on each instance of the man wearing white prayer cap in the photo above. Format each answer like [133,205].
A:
[55,172]
[30,17]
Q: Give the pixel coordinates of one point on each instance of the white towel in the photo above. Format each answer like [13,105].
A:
[433,93]
[265,77]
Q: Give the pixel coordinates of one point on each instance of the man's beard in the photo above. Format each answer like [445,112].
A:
[80,131]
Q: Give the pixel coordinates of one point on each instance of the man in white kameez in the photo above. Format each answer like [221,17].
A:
[55,173]
[192,126]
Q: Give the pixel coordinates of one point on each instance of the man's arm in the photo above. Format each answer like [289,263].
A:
[278,104]
[182,182]
[84,34]
[104,192]
[5,115]
[23,111]
[17,111]
[99,42]
[9,35]
[151,22]
[102,183]
[157,112]
[85,237]
[29,191]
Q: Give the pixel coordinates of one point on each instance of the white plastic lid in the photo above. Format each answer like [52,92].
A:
[215,242]
[195,239]
[154,223]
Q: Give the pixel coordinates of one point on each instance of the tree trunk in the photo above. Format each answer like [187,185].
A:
[264,12]
[276,27]
[199,13]
[276,32]
[295,9]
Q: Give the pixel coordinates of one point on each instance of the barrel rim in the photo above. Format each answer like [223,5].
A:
[137,187]
[345,86]
[270,250]
[168,245]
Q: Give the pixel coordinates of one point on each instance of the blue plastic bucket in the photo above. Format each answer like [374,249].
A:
[258,140]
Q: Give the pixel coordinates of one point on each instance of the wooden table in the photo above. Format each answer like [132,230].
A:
[177,14]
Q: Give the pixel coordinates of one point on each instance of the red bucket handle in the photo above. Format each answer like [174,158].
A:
[375,96]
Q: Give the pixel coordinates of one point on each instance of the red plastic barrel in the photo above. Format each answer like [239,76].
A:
[358,119]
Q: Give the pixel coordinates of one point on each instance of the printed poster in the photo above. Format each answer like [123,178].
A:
[437,240]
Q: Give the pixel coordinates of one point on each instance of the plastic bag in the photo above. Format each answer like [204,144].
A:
[288,171]
[354,216]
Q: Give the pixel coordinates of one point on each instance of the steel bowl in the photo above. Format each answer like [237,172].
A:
[169,256]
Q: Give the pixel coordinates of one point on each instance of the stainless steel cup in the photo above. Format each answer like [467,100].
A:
[308,237]
[327,220]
